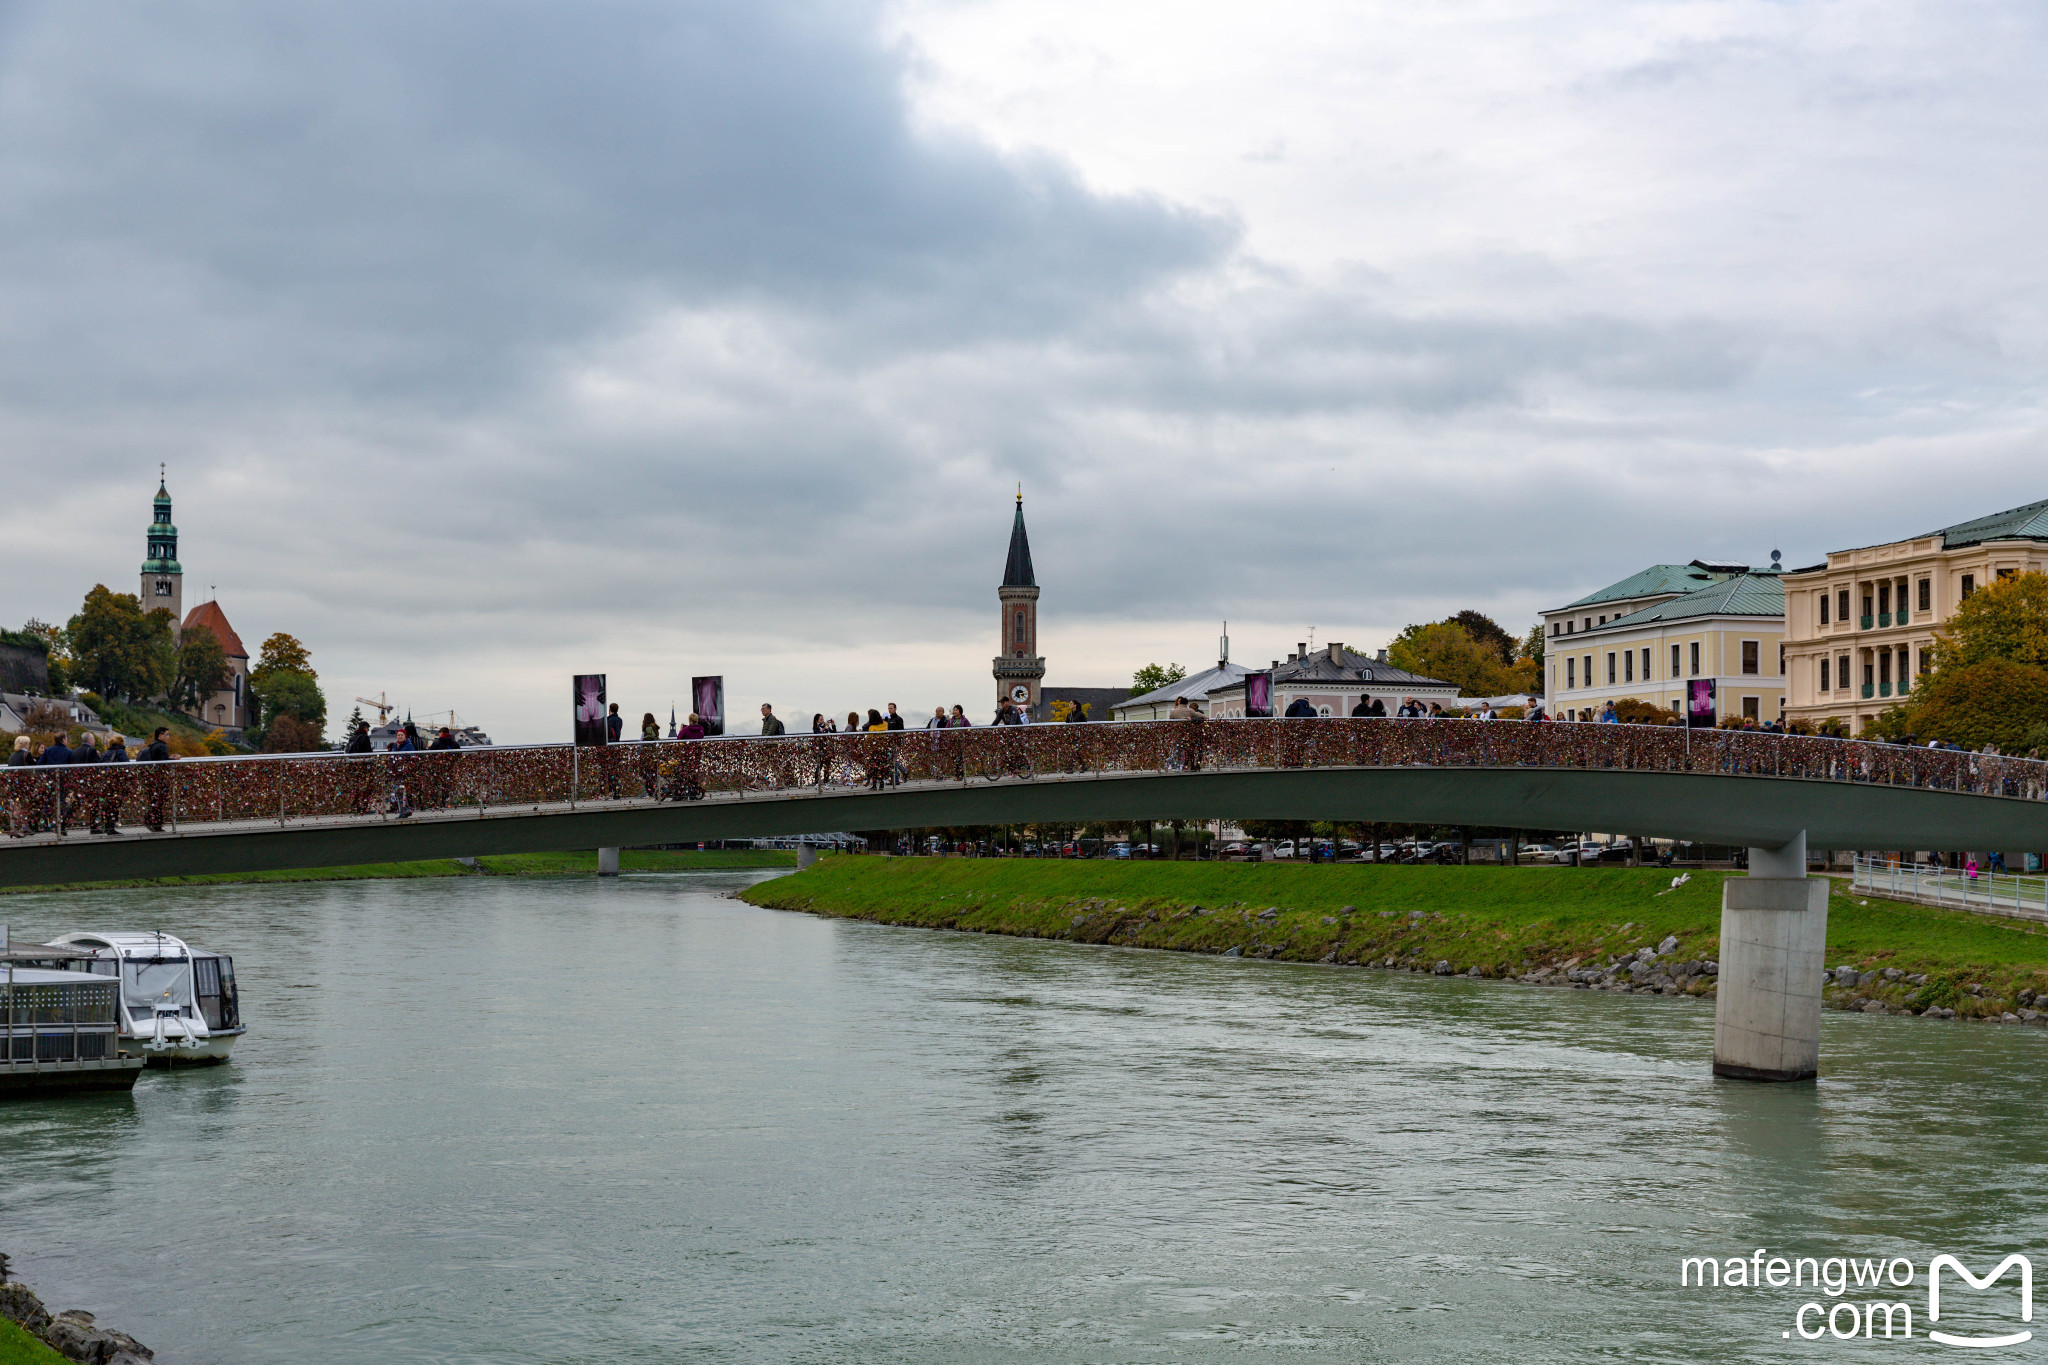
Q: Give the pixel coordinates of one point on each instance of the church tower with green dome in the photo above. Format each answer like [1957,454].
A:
[163,582]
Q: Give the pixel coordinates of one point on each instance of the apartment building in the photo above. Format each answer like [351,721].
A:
[1650,636]
[1859,628]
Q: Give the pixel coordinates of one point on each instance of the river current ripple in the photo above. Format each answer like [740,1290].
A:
[567,1120]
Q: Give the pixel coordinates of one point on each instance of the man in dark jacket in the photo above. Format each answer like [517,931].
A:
[359,742]
[57,756]
[1299,708]
[158,784]
[107,817]
[771,724]
[894,718]
[443,741]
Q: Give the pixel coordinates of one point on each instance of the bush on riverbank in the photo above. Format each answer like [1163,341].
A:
[1503,921]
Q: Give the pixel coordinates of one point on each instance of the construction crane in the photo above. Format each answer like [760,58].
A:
[384,708]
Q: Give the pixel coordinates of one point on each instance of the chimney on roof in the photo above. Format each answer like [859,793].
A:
[1276,663]
[1336,652]
[1380,657]
[1301,650]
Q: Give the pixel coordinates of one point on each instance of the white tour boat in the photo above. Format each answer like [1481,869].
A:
[179,1006]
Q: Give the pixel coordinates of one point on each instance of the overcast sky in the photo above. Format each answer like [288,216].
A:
[491,344]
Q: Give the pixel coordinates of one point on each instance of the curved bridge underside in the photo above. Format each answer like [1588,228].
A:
[1723,808]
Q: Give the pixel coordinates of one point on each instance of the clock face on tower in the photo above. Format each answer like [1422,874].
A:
[1020,694]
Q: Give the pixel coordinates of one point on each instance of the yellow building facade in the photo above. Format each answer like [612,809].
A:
[1860,627]
[1675,624]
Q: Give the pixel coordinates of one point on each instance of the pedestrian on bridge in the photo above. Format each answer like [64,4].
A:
[894,720]
[770,724]
[650,728]
[359,741]
[158,783]
[938,720]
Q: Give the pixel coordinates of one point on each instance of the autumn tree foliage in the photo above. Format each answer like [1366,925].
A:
[1995,702]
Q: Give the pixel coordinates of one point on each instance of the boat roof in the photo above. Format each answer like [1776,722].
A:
[43,976]
[126,943]
[44,952]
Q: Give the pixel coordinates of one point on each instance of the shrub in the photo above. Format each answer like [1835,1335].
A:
[287,734]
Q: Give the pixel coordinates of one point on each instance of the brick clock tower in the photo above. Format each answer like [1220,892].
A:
[1018,669]
[163,582]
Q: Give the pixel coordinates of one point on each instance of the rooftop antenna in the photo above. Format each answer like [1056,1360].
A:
[1311,639]
[1223,647]
[1776,555]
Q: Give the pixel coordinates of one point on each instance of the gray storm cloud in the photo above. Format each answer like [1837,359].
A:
[531,332]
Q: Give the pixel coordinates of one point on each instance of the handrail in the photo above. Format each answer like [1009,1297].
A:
[278,789]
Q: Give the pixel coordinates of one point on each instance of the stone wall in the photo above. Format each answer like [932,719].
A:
[23,669]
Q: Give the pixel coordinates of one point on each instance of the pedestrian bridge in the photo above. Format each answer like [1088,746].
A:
[330,810]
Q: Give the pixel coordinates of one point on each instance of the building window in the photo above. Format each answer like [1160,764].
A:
[1603,620]
[1823,608]
[1869,672]
[1646,663]
[1751,707]
[1674,663]
[1694,671]
[1628,665]
[1571,672]
[1867,599]
[1969,585]
[2004,574]
[1926,662]
[1587,668]
[1553,629]
[1824,676]
[1750,662]
[1927,594]
[1884,669]
[1781,660]
[1842,606]
[1842,671]
[1571,627]
[1884,598]
[1610,668]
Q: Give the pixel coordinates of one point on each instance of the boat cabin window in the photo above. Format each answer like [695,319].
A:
[213,982]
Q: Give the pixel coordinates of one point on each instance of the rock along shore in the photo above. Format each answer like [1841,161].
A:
[74,1334]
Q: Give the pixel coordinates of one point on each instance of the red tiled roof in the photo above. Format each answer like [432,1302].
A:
[209,615]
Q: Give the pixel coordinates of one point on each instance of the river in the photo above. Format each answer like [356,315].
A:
[511,1120]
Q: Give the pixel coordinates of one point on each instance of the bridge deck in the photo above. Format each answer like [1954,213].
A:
[331,809]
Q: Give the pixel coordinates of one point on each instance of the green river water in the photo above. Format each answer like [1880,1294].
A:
[512,1120]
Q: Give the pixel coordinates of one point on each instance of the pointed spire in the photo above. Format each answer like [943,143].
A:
[1017,573]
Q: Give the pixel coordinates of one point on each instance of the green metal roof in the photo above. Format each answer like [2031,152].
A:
[1750,594]
[1658,579]
[2021,523]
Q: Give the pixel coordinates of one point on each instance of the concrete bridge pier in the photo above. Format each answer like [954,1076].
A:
[806,854]
[607,862]
[1774,933]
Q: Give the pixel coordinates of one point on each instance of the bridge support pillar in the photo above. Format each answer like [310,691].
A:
[1774,930]
[806,854]
[607,862]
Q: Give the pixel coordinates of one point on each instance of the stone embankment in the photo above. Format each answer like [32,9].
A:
[73,1334]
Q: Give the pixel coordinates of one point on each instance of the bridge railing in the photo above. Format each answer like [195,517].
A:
[280,789]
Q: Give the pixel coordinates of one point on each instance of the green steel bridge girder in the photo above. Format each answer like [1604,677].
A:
[1732,809]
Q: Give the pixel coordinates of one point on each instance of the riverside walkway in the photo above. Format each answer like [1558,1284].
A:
[323,810]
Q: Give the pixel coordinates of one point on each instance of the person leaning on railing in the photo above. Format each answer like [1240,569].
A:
[107,817]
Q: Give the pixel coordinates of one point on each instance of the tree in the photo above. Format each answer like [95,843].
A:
[283,653]
[202,671]
[287,693]
[121,650]
[2005,620]
[1994,702]
[1486,631]
[287,734]
[283,683]
[1532,646]
[1152,677]
[1446,651]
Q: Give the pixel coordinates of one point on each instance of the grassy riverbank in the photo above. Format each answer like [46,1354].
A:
[1533,923]
[507,865]
[17,1347]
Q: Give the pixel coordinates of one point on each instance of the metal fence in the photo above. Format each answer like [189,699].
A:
[1999,893]
[59,802]
[44,1022]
